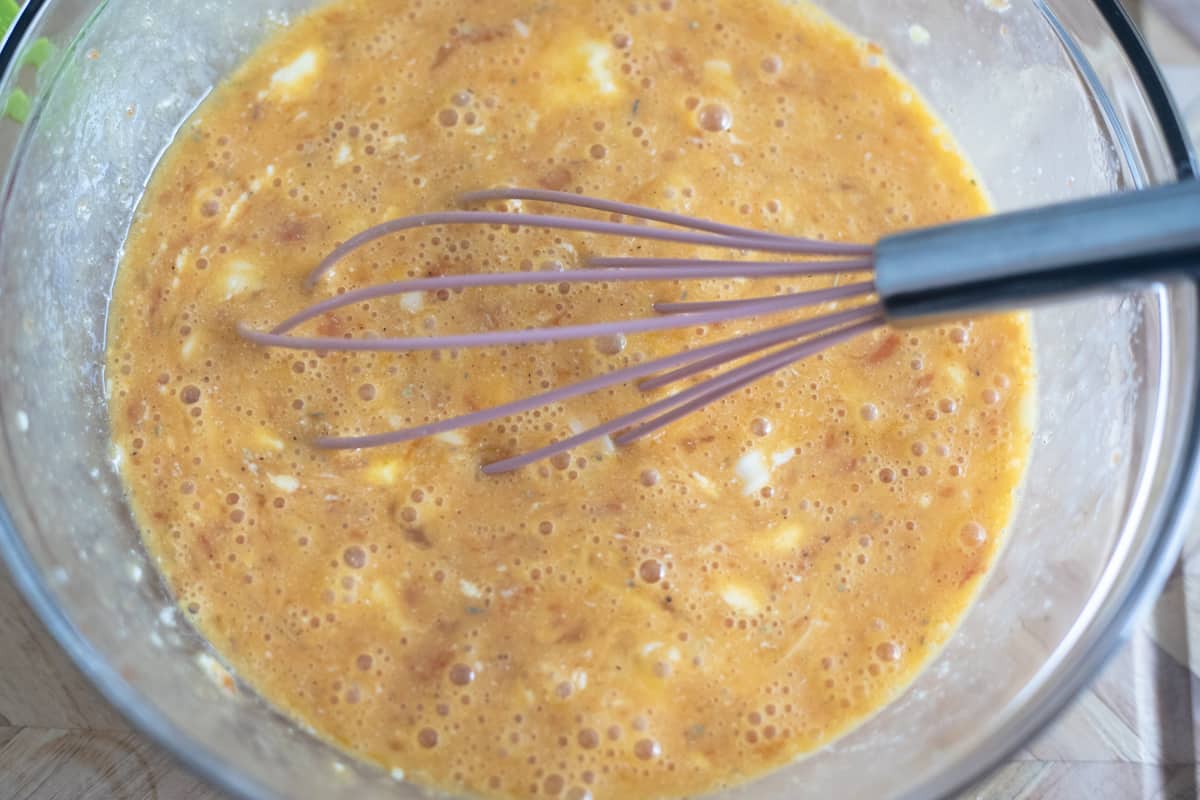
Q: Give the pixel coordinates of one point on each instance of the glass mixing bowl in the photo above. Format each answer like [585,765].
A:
[1051,99]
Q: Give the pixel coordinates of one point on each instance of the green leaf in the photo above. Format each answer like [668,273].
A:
[17,106]
[8,12]
[39,52]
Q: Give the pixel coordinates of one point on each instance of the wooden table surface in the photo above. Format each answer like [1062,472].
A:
[1132,735]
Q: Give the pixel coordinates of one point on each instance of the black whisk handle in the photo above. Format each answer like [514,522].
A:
[1017,259]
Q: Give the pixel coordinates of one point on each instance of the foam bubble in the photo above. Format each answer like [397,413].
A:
[715,118]
[355,557]
[646,749]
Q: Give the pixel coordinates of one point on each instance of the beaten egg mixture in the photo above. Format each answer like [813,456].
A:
[658,620]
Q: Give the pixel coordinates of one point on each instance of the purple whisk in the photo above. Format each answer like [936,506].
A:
[785,344]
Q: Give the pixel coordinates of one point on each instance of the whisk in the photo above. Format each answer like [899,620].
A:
[1003,261]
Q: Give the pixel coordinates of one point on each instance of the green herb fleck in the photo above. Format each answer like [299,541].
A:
[636,105]
[39,52]
[17,106]
[474,610]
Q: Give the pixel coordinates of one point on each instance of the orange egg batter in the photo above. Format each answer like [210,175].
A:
[663,619]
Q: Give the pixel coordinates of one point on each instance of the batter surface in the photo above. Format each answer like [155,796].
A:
[665,619]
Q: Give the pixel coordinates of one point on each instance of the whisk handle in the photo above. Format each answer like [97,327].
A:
[1016,259]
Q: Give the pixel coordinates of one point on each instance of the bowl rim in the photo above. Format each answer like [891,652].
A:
[1157,562]
[1179,504]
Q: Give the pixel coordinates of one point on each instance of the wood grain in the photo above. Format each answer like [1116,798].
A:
[47,763]
[58,696]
